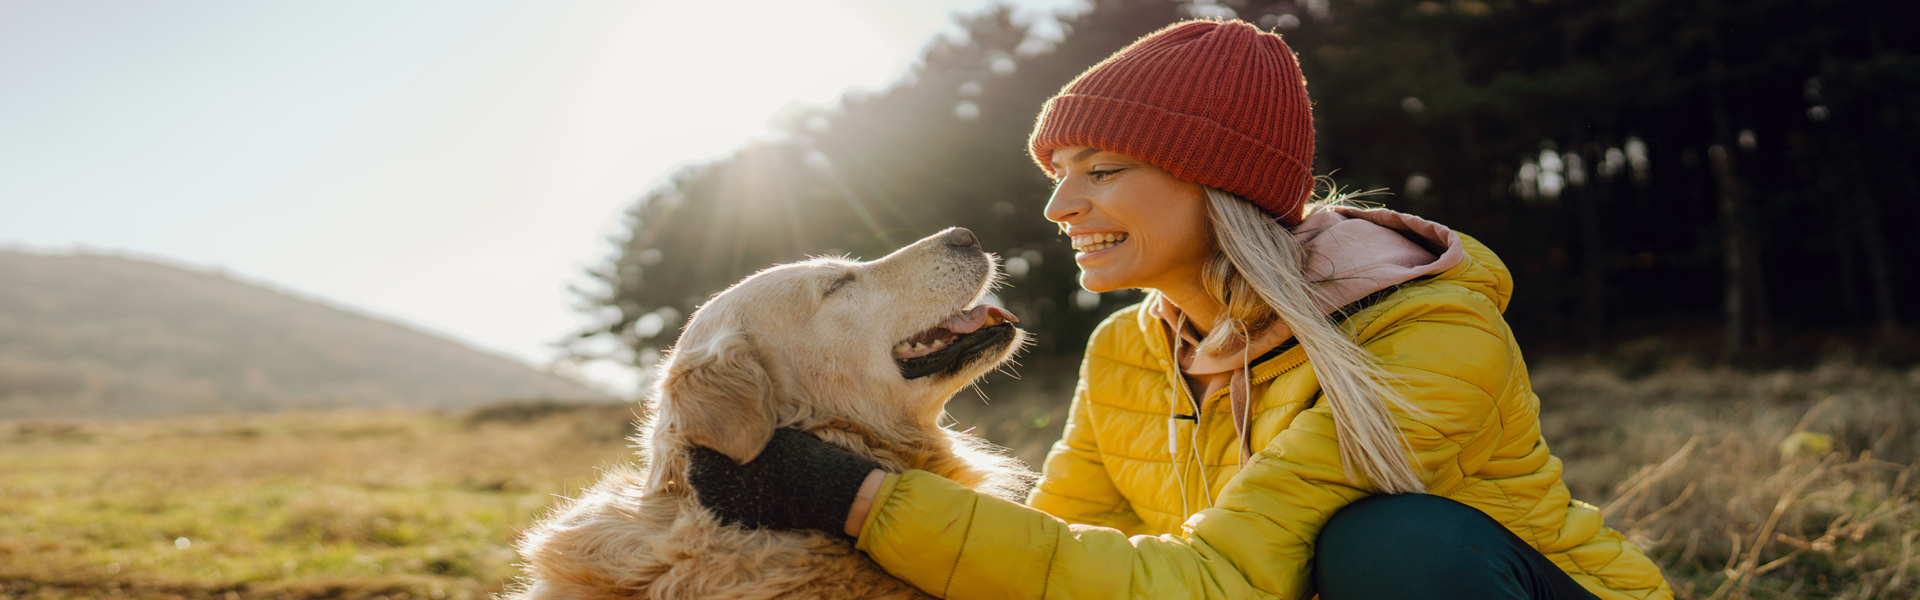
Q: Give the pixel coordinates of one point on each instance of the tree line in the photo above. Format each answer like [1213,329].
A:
[1738,172]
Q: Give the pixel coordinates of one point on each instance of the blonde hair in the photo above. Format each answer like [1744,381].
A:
[1258,276]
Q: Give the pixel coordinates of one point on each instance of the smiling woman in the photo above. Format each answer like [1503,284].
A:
[1314,400]
[1150,230]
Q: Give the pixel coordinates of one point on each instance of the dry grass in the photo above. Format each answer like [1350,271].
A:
[408,505]
[1778,485]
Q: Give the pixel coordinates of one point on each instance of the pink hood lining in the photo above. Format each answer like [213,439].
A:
[1351,253]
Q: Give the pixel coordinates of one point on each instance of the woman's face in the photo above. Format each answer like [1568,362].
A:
[1134,225]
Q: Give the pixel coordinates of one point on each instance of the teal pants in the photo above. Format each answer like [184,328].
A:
[1412,547]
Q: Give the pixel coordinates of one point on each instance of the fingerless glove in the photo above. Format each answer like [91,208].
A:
[797,482]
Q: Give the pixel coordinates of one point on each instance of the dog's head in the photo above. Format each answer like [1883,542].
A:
[881,343]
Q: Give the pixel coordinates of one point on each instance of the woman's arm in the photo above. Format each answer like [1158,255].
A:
[1444,348]
[1076,488]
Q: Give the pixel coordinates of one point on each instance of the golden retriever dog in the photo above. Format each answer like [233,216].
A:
[862,354]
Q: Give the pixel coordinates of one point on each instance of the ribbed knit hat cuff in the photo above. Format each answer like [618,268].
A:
[1234,162]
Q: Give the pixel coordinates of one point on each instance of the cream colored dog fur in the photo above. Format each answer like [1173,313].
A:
[810,345]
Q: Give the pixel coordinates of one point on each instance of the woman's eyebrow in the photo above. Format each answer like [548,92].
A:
[1077,157]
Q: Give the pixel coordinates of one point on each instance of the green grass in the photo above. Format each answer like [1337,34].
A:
[345,505]
[427,505]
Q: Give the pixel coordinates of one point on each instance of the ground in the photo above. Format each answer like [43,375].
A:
[1787,484]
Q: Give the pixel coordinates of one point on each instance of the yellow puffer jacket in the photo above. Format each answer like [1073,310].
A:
[1110,477]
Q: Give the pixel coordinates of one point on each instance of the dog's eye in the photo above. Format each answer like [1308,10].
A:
[837,284]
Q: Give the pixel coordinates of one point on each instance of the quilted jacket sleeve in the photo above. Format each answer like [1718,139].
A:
[1449,353]
[1077,488]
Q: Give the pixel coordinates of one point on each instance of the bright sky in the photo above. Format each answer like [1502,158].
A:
[451,164]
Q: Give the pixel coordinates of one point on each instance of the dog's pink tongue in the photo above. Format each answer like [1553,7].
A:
[970,321]
[936,339]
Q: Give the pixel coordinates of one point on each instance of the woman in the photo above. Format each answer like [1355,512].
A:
[1201,460]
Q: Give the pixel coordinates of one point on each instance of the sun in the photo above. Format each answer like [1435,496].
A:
[706,82]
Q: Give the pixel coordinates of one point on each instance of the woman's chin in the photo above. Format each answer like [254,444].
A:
[1108,269]
[1093,281]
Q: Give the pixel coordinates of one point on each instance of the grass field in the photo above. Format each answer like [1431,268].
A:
[1795,484]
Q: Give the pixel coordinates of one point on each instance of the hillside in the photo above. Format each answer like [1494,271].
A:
[103,336]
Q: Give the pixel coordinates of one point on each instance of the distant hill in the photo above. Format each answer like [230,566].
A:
[104,336]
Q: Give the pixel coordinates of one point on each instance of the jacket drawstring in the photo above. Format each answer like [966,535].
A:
[1238,396]
[1242,417]
[1173,421]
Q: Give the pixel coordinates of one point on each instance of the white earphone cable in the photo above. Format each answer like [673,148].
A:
[1173,424]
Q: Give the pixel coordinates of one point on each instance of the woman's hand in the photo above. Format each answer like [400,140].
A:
[797,482]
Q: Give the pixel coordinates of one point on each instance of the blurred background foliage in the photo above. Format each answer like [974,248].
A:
[1731,175]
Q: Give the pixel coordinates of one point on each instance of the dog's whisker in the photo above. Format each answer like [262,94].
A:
[980,392]
[1008,370]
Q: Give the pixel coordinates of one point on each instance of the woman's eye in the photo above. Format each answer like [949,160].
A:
[1103,175]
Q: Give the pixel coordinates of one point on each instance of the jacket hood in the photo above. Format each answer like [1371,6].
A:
[1350,254]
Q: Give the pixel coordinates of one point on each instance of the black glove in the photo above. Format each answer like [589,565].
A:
[797,482]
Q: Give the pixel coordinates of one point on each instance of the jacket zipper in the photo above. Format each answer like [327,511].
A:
[1186,392]
[1180,381]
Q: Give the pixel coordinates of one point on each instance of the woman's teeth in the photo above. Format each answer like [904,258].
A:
[1095,242]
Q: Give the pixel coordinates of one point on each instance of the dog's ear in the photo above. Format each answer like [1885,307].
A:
[719,395]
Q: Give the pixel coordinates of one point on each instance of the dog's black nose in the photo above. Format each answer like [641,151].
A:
[962,237]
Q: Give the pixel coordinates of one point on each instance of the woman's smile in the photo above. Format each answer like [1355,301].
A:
[1093,243]
[1132,224]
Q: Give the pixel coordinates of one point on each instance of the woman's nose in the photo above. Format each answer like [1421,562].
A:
[1064,205]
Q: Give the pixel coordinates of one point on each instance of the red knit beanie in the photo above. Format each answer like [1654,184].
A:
[1221,104]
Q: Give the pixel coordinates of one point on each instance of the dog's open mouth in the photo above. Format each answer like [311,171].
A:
[943,346]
